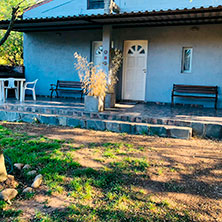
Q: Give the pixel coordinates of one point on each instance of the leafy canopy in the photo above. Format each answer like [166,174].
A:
[11,52]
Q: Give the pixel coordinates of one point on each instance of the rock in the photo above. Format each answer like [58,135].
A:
[37,181]
[11,182]
[18,166]
[26,167]
[31,173]
[3,172]
[8,195]
[27,190]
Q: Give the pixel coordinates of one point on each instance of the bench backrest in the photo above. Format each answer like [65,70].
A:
[195,89]
[68,84]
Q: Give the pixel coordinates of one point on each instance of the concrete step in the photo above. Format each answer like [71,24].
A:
[120,116]
[99,124]
[202,129]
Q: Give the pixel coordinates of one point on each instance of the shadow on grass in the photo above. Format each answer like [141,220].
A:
[117,201]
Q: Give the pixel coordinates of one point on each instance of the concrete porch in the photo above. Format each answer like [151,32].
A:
[133,118]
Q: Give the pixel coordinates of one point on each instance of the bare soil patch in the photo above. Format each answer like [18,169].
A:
[185,173]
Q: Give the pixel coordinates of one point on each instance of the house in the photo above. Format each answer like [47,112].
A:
[164,42]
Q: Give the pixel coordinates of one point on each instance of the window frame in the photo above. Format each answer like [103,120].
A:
[88,5]
[183,71]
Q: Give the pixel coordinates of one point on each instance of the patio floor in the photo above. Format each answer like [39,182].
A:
[160,111]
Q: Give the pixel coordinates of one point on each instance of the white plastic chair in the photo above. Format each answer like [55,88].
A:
[30,86]
[11,85]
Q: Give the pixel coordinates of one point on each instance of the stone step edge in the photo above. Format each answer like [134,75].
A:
[202,129]
[101,125]
[110,116]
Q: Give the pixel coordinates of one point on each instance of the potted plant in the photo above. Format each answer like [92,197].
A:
[116,61]
[94,84]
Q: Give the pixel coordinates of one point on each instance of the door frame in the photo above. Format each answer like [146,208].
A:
[124,67]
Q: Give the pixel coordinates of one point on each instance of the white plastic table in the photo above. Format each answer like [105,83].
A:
[21,86]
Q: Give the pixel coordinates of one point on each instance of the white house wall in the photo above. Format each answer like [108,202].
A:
[75,7]
[49,57]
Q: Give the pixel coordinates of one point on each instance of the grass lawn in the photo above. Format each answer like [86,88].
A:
[104,176]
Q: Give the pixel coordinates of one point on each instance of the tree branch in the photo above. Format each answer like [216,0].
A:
[11,24]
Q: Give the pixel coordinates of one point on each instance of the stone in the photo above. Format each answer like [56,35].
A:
[31,173]
[26,167]
[126,128]
[18,166]
[96,125]
[213,131]
[158,131]
[50,120]
[8,194]
[3,115]
[12,116]
[198,129]
[28,118]
[113,127]
[75,122]
[142,129]
[27,190]
[37,181]
[62,121]
[180,133]
[3,172]
[11,182]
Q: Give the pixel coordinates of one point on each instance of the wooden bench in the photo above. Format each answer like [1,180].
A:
[195,92]
[67,87]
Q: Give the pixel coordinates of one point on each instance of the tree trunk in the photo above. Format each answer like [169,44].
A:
[3,172]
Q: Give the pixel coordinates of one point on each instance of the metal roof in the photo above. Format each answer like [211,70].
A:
[194,16]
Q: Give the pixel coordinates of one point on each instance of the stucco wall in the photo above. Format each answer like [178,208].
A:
[75,7]
[49,56]
[165,56]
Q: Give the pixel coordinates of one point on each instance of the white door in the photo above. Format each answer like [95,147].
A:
[97,53]
[134,70]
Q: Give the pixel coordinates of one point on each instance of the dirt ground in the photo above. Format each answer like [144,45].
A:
[189,172]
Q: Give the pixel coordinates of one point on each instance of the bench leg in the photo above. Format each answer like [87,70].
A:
[57,94]
[51,93]
[172,100]
[216,104]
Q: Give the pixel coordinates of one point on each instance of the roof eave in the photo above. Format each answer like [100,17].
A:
[211,15]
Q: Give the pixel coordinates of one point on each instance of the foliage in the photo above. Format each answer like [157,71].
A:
[11,53]
[94,81]
[116,62]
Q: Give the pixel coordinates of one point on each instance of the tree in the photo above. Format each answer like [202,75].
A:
[11,51]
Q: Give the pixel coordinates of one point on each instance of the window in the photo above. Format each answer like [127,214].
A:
[187,60]
[95,4]
[136,49]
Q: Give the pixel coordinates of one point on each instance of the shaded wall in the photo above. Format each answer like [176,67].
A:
[165,56]
[49,57]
